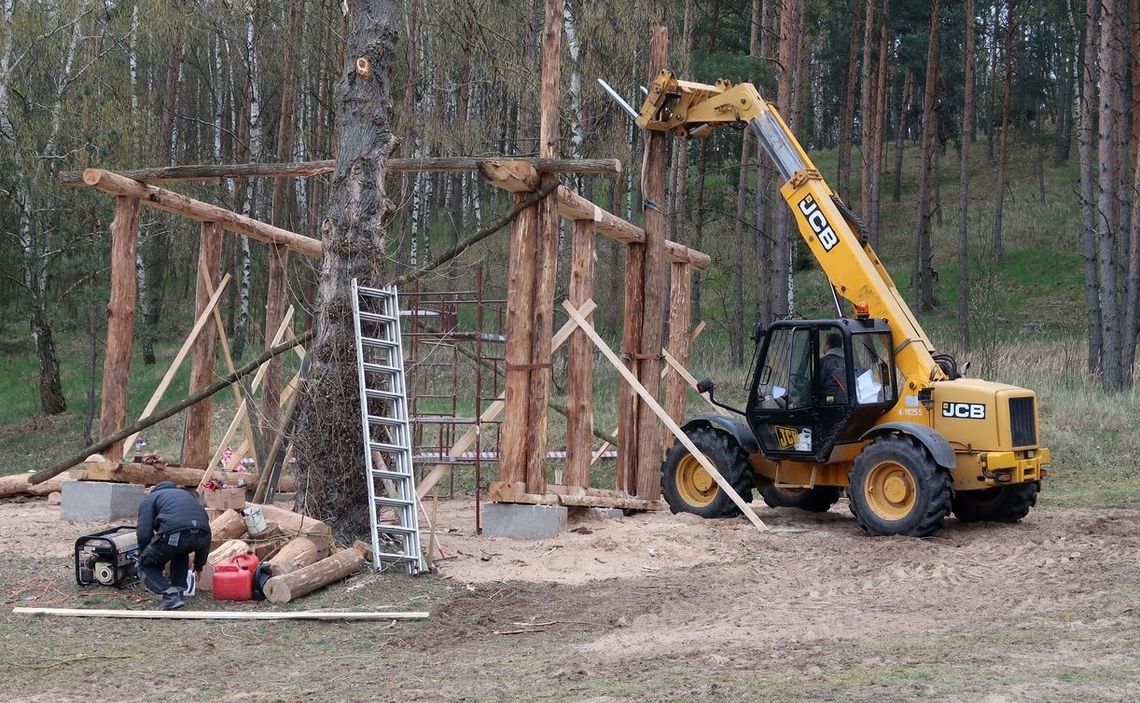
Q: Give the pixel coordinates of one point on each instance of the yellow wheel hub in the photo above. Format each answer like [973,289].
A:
[695,486]
[890,490]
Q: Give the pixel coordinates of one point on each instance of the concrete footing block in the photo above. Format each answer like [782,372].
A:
[582,514]
[519,521]
[100,501]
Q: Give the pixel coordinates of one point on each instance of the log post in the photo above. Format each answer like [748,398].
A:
[203,360]
[680,320]
[546,255]
[275,298]
[286,587]
[626,464]
[120,322]
[520,289]
[649,438]
[580,358]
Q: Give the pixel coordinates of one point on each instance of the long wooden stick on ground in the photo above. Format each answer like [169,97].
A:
[222,614]
[220,384]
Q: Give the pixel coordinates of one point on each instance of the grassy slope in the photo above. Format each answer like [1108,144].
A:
[1028,314]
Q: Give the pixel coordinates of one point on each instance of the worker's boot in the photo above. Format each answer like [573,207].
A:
[172,599]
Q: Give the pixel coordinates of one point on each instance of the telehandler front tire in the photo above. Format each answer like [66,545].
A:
[895,488]
[688,488]
[998,504]
[814,500]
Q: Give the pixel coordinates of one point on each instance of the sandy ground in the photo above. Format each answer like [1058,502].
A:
[659,607]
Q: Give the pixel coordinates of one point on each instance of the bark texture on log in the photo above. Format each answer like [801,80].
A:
[229,525]
[299,553]
[196,441]
[18,485]
[284,588]
[120,321]
[328,445]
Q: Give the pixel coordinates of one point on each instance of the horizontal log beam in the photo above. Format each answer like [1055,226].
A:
[305,169]
[117,184]
[575,207]
[500,492]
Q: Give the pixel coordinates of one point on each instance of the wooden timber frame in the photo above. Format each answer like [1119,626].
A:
[651,260]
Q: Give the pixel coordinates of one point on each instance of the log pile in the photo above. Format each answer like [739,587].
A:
[298,549]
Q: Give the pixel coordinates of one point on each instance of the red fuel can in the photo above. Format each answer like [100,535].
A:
[233,580]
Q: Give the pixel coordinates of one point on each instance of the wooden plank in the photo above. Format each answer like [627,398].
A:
[239,416]
[224,614]
[680,320]
[650,447]
[692,338]
[580,360]
[468,438]
[178,359]
[120,321]
[203,361]
[691,381]
[227,355]
[179,204]
[306,169]
[657,410]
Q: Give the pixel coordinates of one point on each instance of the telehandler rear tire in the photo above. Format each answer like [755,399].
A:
[895,488]
[998,504]
[815,500]
[688,488]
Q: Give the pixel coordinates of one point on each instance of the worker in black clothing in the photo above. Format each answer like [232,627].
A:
[833,370]
[171,526]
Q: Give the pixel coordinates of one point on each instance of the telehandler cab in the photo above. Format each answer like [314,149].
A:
[861,402]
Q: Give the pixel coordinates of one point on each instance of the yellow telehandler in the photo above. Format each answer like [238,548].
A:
[859,402]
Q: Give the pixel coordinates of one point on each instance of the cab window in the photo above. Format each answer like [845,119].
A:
[785,379]
[874,374]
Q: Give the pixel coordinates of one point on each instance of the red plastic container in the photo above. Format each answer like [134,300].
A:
[233,580]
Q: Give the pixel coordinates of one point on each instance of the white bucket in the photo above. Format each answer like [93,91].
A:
[254,520]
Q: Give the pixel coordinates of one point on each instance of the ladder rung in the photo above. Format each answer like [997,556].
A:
[394,502]
[385,447]
[390,475]
[382,343]
[379,394]
[377,317]
[396,529]
[387,556]
[381,368]
[389,421]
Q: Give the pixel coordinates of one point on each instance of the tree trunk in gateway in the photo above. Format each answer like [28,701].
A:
[328,444]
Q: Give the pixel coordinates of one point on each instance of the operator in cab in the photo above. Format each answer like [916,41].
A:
[171,527]
[833,369]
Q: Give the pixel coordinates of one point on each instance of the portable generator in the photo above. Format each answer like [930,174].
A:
[109,557]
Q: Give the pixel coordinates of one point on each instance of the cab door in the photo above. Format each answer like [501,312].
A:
[781,404]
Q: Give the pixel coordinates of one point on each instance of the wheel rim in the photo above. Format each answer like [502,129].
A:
[695,486]
[890,490]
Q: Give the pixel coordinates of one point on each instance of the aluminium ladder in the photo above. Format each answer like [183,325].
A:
[384,421]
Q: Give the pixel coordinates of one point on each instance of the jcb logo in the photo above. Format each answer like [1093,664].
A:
[815,217]
[964,411]
[787,437]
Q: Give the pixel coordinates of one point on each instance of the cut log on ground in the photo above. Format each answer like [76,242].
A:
[284,588]
[292,523]
[229,525]
[18,485]
[223,553]
[266,544]
[299,553]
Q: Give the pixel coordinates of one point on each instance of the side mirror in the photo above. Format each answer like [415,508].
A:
[705,385]
[758,333]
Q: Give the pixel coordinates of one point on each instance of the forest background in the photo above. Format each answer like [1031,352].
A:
[989,146]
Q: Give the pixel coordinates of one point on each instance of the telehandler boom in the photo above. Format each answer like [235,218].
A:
[861,403]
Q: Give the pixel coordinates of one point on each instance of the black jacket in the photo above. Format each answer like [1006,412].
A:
[168,509]
[833,377]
